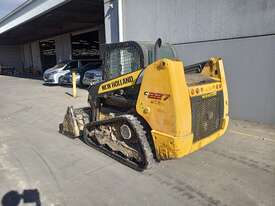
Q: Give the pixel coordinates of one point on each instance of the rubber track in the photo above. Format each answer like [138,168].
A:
[140,134]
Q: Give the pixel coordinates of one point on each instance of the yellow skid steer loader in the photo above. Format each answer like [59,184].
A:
[150,106]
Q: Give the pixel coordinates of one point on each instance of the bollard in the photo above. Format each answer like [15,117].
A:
[74,82]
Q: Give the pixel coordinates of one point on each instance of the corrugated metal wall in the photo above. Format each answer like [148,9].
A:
[63,47]
[200,29]
[36,60]
[27,55]
[11,55]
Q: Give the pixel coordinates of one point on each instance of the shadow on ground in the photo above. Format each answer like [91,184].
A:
[14,198]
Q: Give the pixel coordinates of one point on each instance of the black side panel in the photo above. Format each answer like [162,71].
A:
[207,114]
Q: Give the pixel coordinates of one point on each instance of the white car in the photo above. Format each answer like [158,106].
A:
[94,71]
[55,74]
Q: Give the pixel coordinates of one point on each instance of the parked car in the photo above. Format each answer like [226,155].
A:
[67,79]
[56,74]
[92,77]
[92,66]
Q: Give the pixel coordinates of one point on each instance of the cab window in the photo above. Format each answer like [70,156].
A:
[121,61]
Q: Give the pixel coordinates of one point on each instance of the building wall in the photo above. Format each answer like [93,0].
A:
[199,29]
[30,52]
[22,57]
[63,47]
[102,38]
[182,21]
[111,21]
[11,55]
[36,59]
[27,55]
[250,73]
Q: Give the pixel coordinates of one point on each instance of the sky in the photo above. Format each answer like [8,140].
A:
[6,6]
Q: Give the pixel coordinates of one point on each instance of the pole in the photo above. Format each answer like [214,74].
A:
[74,82]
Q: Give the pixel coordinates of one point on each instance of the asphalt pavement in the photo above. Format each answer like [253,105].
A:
[39,165]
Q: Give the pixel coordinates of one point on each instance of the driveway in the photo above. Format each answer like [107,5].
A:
[39,164]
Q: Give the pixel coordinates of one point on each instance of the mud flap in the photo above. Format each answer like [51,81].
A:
[74,121]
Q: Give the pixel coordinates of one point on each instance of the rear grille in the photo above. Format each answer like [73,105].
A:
[207,115]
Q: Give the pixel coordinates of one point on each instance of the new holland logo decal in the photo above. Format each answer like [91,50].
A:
[117,83]
[124,81]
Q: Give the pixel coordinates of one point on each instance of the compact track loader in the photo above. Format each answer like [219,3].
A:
[150,106]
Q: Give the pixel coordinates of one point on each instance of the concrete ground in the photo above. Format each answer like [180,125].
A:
[238,169]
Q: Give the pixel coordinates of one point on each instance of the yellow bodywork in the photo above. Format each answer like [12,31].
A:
[74,83]
[164,102]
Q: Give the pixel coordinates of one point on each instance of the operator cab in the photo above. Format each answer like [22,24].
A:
[126,57]
[123,58]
